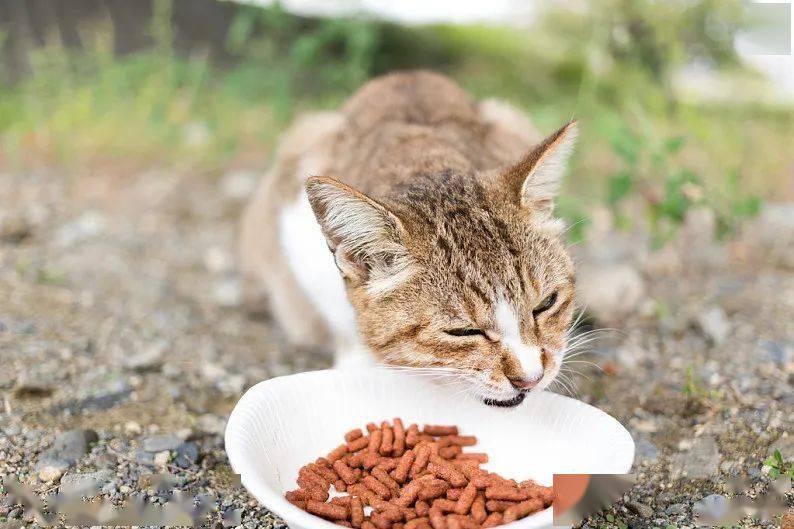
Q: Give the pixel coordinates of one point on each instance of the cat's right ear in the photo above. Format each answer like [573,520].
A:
[536,178]
[364,236]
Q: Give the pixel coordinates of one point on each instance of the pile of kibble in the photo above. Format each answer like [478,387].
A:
[397,478]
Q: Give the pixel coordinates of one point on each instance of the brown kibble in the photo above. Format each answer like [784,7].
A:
[300,504]
[418,523]
[472,456]
[448,452]
[329,511]
[443,505]
[466,499]
[464,522]
[370,460]
[409,494]
[403,466]
[377,487]
[433,489]
[437,519]
[493,519]
[498,505]
[444,470]
[505,492]
[388,463]
[375,440]
[327,474]
[358,444]
[399,437]
[412,480]
[387,441]
[522,510]
[308,478]
[454,494]
[341,500]
[383,477]
[345,472]
[337,453]
[352,435]
[478,511]
[438,430]
[420,461]
[356,511]
[412,436]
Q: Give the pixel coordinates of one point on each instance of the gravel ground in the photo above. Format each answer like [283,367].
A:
[125,342]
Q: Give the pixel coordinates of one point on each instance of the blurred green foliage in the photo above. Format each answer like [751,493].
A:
[612,65]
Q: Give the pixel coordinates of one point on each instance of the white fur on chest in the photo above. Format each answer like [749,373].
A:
[313,266]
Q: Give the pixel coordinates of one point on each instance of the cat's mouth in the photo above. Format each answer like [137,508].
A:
[508,403]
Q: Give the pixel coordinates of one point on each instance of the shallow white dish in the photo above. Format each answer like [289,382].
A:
[283,423]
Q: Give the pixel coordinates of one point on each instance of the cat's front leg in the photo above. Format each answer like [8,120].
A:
[351,354]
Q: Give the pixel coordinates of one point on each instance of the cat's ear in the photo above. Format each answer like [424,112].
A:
[364,236]
[537,177]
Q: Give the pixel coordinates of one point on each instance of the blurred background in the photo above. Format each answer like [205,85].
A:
[133,133]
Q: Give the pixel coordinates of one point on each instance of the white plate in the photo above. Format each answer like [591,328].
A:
[284,423]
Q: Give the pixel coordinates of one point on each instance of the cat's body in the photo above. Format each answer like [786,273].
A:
[421,223]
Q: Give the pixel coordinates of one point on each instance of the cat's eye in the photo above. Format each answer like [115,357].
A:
[546,304]
[468,331]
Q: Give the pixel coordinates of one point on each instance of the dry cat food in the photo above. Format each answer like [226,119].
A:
[392,477]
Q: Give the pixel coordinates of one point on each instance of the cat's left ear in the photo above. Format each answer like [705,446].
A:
[536,178]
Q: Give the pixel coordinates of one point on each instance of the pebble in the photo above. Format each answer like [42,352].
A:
[158,443]
[640,508]
[52,470]
[610,291]
[645,451]
[713,323]
[700,462]
[85,483]
[148,360]
[785,443]
[68,447]
[161,459]
[676,508]
[187,454]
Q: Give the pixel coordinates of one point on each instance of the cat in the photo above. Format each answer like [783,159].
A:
[444,250]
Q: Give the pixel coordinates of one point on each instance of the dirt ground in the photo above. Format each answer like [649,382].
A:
[121,315]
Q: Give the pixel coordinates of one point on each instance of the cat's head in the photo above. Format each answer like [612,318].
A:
[463,273]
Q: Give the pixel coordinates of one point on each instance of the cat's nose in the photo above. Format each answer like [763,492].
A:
[524,384]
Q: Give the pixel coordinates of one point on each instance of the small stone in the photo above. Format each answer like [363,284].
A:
[712,506]
[85,484]
[14,230]
[210,424]
[144,458]
[187,454]
[611,290]
[700,462]
[32,388]
[785,444]
[158,443]
[69,447]
[132,428]
[52,471]
[148,360]
[228,293]
[645,451]
[676,508]
[161,459]
[125,489]
[713,323]
[640,509]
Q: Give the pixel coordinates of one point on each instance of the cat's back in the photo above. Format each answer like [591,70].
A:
[411,97]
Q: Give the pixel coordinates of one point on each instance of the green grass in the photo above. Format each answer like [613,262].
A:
[93,111]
